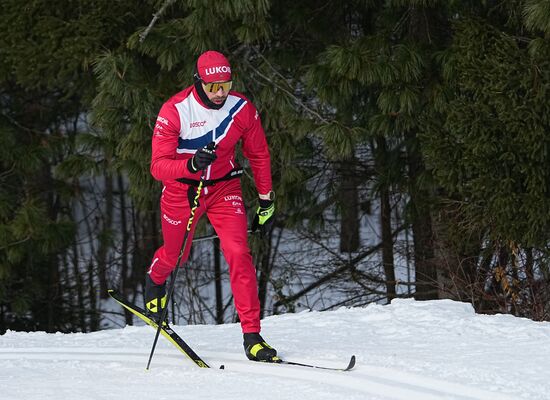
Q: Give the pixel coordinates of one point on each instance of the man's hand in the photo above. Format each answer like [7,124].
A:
[202,158]
[264,217]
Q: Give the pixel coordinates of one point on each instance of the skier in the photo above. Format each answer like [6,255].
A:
[194,137]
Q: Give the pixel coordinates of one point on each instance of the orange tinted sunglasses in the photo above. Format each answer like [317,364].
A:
[215,86]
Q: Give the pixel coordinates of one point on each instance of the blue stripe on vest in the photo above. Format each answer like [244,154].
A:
[210,136]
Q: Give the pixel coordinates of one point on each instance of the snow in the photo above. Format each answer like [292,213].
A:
[408,350]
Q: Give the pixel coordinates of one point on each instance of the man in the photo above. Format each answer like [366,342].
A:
[194,138]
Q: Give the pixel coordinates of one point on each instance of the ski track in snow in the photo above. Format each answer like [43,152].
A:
[408,350]
[368,380]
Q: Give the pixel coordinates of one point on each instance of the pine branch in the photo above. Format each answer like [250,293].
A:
[16,123]
[26,239]
[292,95]
[156,16]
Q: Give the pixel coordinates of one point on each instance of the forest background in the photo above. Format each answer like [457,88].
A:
[410,152]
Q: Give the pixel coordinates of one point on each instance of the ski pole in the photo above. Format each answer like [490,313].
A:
[173,282]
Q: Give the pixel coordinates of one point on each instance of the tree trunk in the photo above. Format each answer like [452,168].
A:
[421,221]
[218,281]
[387,243]
[264,269]
[382,168]
[349,206]
[93,311]
[79,289]
[124,244]
[104,236]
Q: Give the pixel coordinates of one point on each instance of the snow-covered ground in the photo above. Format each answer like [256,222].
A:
[407,350]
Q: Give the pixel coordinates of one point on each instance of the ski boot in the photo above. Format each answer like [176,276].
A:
[155,298]
[256,349]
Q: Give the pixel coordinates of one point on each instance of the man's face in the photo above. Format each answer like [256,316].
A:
[217,91]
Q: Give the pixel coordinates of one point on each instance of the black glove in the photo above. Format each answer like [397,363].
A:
[264,217]
[202,158]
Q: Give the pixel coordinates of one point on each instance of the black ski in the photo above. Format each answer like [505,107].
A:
[350,366]
[180,344]
[165,330]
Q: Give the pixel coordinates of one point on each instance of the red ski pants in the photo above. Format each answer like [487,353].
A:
[225,210]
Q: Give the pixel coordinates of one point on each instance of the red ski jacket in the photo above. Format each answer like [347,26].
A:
[185,124]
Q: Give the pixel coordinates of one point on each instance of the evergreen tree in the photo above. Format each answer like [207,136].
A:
[46,87]
[486,143]
[428,118]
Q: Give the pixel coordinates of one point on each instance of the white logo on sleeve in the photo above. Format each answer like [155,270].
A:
[162,120]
